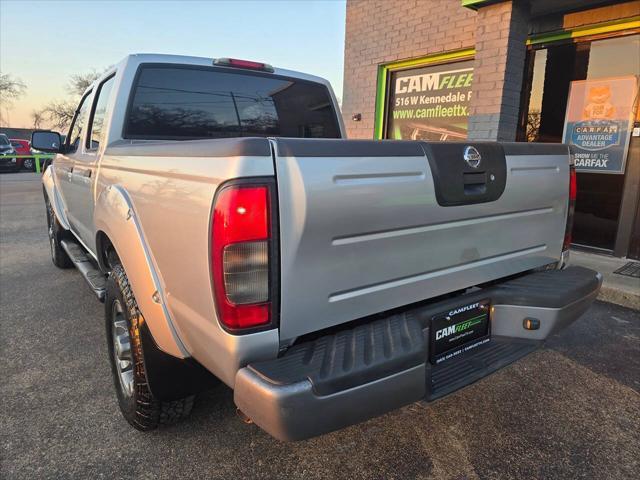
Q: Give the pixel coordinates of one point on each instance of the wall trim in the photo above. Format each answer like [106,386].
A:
[475,4]
[631,23]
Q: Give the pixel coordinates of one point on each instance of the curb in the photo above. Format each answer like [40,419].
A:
[619,297]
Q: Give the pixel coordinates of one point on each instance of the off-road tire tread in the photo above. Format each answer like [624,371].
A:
[149,412]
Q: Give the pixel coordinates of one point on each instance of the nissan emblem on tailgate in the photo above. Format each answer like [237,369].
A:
[472,156]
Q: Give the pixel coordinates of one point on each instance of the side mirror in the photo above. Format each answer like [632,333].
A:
[46,141]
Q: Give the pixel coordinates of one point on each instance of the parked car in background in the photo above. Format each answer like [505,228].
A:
[23,147]
[8,159]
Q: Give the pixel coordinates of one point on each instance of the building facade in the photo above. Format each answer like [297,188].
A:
[538,71]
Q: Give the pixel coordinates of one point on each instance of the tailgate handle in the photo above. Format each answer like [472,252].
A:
[475,183]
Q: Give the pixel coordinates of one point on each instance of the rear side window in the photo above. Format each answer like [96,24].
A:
[96,127]
[198,102]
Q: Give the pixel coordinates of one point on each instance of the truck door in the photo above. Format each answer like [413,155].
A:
[64,162]
[85,165]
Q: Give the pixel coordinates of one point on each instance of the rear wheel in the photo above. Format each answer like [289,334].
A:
[29,164]
[123,321]
[56,234]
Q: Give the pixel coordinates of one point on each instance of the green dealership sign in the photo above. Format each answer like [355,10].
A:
[430,102]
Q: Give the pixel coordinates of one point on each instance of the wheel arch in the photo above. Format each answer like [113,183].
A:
[51,192]
[105,251]
[119,231]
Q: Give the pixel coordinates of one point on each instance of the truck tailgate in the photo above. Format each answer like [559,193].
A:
[367,226]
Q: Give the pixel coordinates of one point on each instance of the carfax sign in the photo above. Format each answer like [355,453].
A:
[598,122]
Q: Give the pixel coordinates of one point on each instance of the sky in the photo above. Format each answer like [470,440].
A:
[44,42]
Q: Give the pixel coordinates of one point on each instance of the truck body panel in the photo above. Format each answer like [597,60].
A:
[173,194]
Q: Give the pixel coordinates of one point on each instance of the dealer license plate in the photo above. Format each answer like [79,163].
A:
[459,330]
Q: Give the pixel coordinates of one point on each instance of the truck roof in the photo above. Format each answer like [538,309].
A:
[135,59]
[125,73]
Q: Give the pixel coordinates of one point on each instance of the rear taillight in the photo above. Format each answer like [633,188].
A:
[573,191]
[240,253]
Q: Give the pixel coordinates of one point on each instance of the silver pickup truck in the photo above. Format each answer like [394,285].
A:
[233,234]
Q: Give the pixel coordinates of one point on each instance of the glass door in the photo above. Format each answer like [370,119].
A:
[552,71]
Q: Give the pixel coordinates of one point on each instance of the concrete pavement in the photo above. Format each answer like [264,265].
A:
[619,289]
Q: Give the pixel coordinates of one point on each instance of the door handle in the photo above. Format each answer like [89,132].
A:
[475,183]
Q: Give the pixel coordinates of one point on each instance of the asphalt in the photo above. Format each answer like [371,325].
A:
[570,410]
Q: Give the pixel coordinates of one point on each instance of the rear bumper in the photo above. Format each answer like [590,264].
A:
[355,374]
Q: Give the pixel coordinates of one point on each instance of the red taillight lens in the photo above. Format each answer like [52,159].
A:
[248,64]
[573,191]
[240,243]
[573,183]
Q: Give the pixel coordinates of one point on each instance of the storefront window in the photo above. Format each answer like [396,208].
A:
[429,103]
[603,64]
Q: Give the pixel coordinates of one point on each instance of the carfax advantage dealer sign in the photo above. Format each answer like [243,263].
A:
[598,122]
[430,103]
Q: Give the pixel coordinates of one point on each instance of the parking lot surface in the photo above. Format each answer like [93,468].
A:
[570,410]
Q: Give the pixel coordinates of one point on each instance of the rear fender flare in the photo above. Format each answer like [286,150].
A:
[52,193]
[116,217]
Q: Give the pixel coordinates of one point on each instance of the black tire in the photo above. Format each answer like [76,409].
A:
[29,164]
[56,234]
[139,407]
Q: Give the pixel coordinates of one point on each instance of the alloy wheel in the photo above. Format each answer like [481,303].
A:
[122,348]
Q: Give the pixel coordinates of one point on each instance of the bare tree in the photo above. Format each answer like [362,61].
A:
[58,114]
[10,89]
[533,125]
[37,116]
[79,83]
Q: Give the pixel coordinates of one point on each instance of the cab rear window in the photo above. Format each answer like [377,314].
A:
[181,103]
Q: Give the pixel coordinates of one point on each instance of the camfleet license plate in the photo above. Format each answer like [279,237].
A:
[459,330]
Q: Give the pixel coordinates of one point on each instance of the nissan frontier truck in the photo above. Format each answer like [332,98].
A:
[235,235]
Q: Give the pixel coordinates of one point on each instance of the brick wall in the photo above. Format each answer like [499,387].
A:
[383,31]
[501,34]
